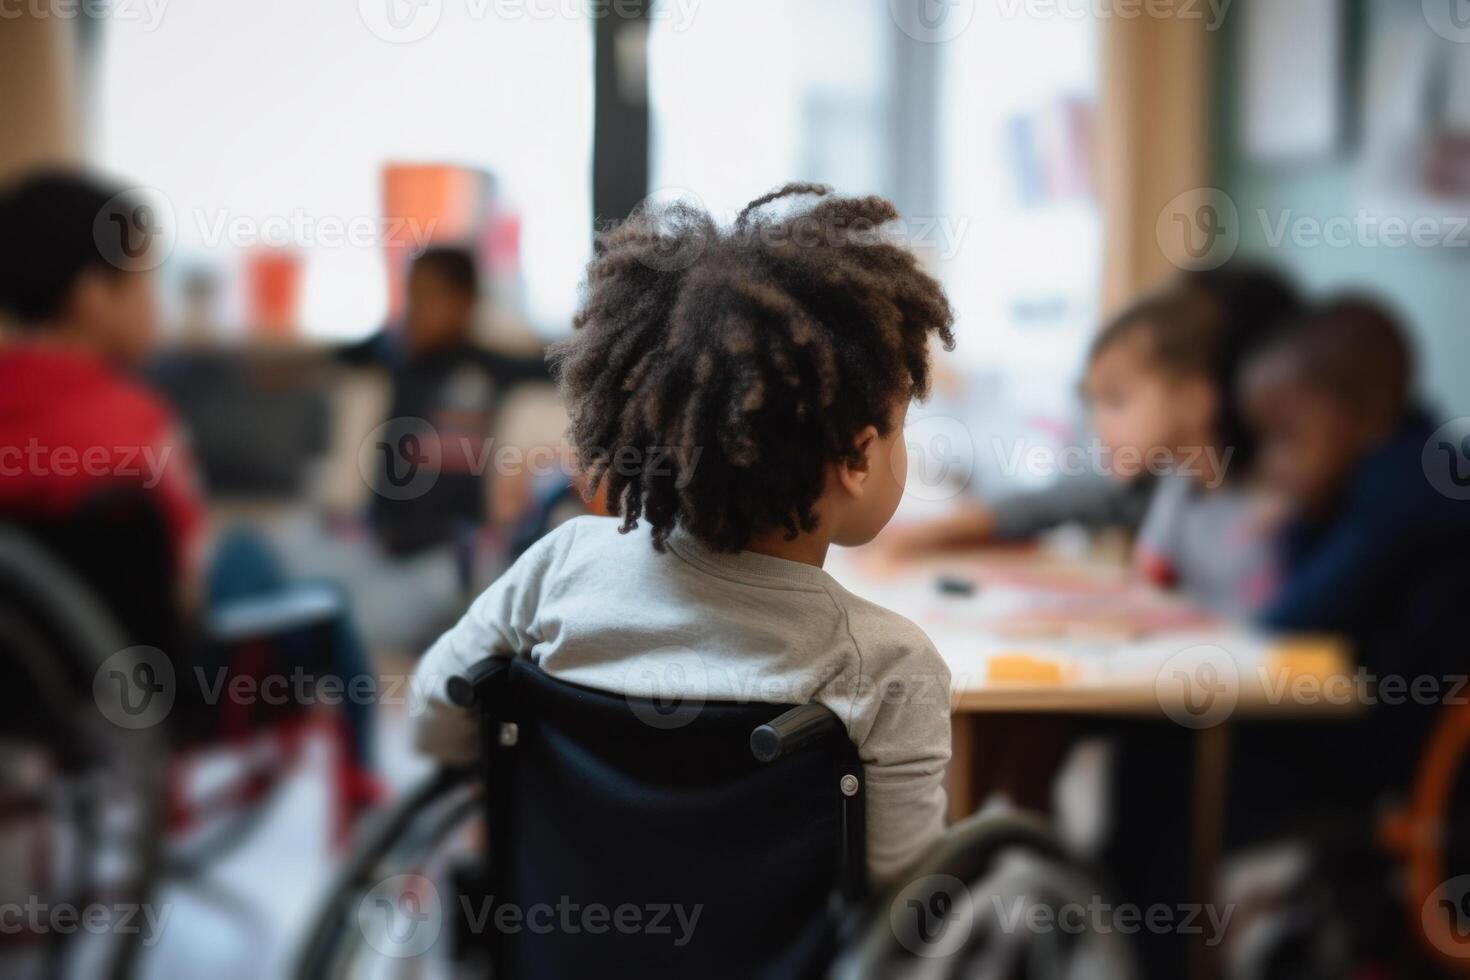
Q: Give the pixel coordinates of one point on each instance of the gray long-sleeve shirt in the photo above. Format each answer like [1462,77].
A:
[603,609]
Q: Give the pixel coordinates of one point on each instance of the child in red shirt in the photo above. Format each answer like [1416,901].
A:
[84,314]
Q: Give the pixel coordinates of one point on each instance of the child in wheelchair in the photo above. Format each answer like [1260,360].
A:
[739,394]
[98,467]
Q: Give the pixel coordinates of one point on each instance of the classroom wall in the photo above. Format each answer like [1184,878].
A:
[1429,286]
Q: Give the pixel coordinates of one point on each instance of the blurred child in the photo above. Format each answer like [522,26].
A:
[1372,552]
[747,406]
[443,378]
[1160,381]
[1344,444]
[72,419]
[75,425]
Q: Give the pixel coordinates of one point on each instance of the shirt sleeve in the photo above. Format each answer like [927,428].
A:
[1092,501]
[502,622]
[904,754]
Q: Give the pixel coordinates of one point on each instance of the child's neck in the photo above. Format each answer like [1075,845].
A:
[808,549]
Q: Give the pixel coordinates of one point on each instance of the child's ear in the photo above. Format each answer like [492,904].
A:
[854,475]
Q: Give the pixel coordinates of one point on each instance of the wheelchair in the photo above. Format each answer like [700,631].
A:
[98,804]
[612,836]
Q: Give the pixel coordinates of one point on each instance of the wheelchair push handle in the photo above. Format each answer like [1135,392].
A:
[793,730]
[464,689]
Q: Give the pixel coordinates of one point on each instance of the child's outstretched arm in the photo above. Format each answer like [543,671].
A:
[502,622]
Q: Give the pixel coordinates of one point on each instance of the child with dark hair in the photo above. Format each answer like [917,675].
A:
[1372,553]
[76,282]
[1161,382]
[740,394]
[79,292]
[441,377]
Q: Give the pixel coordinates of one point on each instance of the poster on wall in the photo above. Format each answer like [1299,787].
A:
[1292,71]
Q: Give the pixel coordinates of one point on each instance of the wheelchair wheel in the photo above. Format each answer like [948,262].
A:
[1002,899]
[384,916]
[81,802]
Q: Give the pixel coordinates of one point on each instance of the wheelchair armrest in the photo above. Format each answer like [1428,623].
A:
[793,730]
[464,689]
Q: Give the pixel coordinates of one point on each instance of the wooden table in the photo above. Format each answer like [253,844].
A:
[1013,650]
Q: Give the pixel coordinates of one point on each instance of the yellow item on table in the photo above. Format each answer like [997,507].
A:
[1025,668]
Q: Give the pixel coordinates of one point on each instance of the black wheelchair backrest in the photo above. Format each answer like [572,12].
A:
[117,542]
[633,837]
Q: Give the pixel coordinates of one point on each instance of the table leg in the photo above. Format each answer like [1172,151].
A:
[962,778]
[1211,775]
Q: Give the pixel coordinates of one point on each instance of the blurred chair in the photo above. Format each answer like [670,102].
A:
[1430,834]
[82,807]
[1343,897]
[257,416]
[117,552]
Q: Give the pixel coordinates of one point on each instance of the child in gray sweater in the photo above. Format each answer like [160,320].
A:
[739,396]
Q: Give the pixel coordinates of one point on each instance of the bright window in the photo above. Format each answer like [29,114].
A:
[279,114]
[747,96]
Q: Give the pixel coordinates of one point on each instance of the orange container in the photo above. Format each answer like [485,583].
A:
[427,202]
[273,289]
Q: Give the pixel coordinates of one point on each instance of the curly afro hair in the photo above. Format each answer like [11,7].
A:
[716,373]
